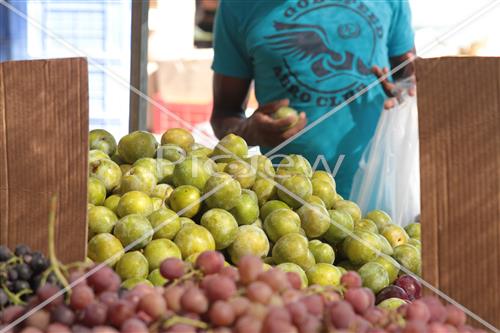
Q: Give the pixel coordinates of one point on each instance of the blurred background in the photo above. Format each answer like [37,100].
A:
[179,50]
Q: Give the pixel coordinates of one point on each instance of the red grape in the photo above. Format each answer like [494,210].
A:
[58,328]
[455,316]
[222,330]
[194,300]
[172,268]
[120,311]
[278,326]
[275,278]
[247,324]
[418,310]
[257,310]
[48,291]
[134,325]
[31,330]
[11,313]
[310,325]
[415,326]
[153,304]
[342,314]
[95,314]
[231,272]
[298,312]
[358,298]
[278,313]
[181,328]
[314,304]
[221,314]
[173,296]
[81,296]
[210,262]
[108,297]
[290,295]
[104,279]
[371,295]
[376,316]
[220,288]
[437,310]
[390,292]
[249,268]
[259,292]
[80,329]
[351,279]
[239,305]
[104,329]
[437,328]
[410,285]
[294,280]
[39,319]
[62,314]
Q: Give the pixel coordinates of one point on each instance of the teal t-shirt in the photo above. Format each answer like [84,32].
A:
[316,53]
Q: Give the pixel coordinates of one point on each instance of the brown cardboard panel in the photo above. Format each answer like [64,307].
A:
[459,124]
[43,151]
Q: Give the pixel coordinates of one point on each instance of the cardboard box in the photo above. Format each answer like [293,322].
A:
[43,151]
[459,124]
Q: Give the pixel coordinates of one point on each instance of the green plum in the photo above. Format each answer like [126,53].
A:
[391,304]
[314,220]
[265,190]
[281,222]
[408,256]
[185,199]
[380,218]
[107,171]
[200,150]
[415,242]
[348,266]
[263,166]
[324,176]
[341,225]
[138,178]
[125,168]
[134,202]
[132,265]
[131,283]
[229,148]
[294,268]
[117,159]
[193,238]
[413,230]
[385,246]
[148,163]
[390,265]
[350,207]
[394,234]
[137,145]
[185,220]
[165,222]
[374,276]
[219,167]
[160,249]
[258,223]
[222,191]
[192,171]
[246,210]
[295,165]
[96,192]
[314,200]
[366,225]
[171,152]
[162,191]
[157,203]
[222,225]
[101,219]
[286,112]
[271,206]
[112,201]
[105,248]
[179,137]
[134,229]
[250,240]
[165,171]
[102,140]
[293,248]
[95,155]
[322,252]
[251,193]
[361,247]
[156,278]
[242,172]
[324,275]
[325,191]
[297,184]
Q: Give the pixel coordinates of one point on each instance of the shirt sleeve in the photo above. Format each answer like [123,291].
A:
[230,54]
[401,37]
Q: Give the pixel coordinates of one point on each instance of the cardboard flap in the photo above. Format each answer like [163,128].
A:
[459,125]
[43,151]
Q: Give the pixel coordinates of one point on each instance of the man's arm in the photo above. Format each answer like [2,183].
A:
[228,115]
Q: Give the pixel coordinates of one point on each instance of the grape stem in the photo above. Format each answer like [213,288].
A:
[184,278]
[54,262]
[16,298]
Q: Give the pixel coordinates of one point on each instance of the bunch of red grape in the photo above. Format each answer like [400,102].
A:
[21,273]
[211,297]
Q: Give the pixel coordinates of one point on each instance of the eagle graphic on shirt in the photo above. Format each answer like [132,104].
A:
[310,42]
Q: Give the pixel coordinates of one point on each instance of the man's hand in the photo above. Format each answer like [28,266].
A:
[262,129]
[391,89]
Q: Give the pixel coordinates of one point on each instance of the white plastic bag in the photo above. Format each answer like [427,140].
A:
[388,177]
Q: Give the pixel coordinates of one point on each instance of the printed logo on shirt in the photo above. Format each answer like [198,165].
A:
[336,40]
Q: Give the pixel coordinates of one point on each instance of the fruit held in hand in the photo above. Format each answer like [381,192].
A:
[285,112]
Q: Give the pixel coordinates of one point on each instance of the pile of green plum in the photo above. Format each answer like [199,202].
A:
[149,201]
